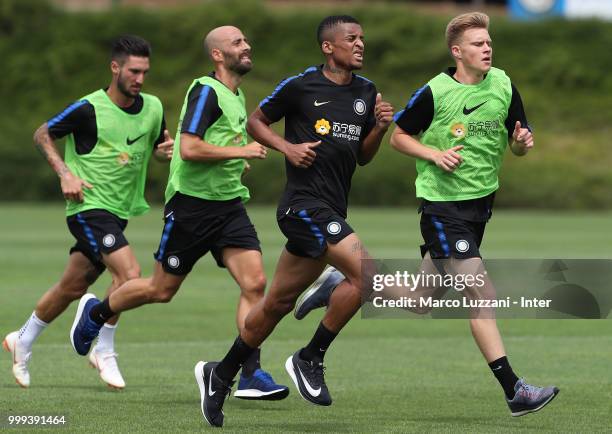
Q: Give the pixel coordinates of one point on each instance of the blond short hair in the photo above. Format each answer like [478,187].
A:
[463,22]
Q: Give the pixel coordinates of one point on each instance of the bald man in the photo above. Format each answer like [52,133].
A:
[204,207]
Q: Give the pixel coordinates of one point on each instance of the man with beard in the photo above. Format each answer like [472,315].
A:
[111,134]
[204,207]
[334,120]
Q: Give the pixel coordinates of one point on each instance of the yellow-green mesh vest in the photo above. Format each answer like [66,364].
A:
[117,170]
[219,180]
[480,130]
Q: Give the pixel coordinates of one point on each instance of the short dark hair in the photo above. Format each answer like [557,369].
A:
[330,22]
[130,45]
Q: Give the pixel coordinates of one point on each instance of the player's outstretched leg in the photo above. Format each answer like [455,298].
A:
[246,267]
[319,292]
[293,275]
[213,392]
[305,367]
[529,399]
[123,266]
[79,273]
[84,330]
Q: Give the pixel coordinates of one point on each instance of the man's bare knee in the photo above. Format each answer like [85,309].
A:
[161,293]
[129,273]
[254,288]
[164,296]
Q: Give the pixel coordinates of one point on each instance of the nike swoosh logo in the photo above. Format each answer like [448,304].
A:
[310,390]
[317,104]
[210,391]
[467,111]
[129,142]
[496,369]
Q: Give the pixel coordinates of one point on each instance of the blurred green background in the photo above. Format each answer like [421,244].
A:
[51,57]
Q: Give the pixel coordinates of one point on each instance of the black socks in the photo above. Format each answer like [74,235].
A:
[101,312]
[505,375]
[238,354]
[252,363]
[318,345]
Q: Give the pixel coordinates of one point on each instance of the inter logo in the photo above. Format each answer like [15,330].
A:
[322,127]
[173,262]
[108,240]
[359,106]
[334,228]
[462,246]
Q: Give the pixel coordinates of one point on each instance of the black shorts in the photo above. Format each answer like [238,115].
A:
[309,230]
[447,237]
[194,226]
[97,231]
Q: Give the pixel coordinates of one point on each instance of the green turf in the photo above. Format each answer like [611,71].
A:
[384,375]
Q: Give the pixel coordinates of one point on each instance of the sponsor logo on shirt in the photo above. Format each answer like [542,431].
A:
[339,130]
[322,127]
[346,131]
[482,128]
[475,129]
[123,159]
[458,130]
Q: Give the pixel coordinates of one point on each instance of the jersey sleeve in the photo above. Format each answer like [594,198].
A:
[202,110]
[77,117]
[280,102]
[418,114]
[371,120]
[160,138]
[516,112]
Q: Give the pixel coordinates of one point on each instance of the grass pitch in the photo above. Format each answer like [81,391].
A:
[384,375]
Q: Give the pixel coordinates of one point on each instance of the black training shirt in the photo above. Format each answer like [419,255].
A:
[341,116]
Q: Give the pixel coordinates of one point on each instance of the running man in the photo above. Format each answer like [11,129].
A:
[111,134]
[458,127]
[334,120]
[204,207]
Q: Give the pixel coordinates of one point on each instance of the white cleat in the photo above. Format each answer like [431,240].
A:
[20,359]
[106,364]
